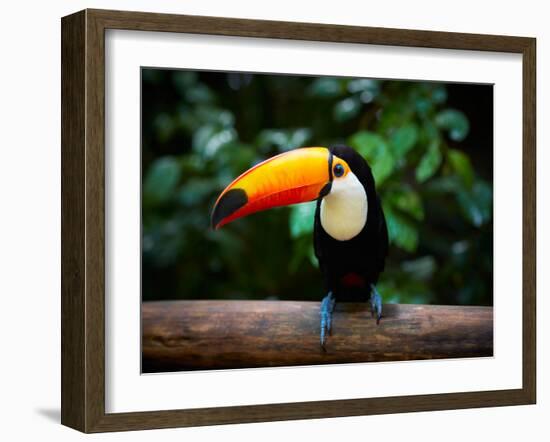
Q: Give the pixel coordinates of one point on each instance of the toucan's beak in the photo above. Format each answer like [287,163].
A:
[292,177]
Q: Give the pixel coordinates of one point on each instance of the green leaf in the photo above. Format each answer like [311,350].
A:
[201,136]
[439,94]
[283,139]
[429,163]
[407,201]
[347,108]
[423,105]
[403,139]
[214,116]
[377,153]
[461,165]
[272,137]
[298,138]
[401,231]
[428,133]
[161,179]
[218,140]
[302,250]
[444,184]
[455,122]
[326,87]
[196,191]
[421,268]
[394,115]
[477,204]
[233,159]
[301,219]
[363,84]
[199,93]
[209,139]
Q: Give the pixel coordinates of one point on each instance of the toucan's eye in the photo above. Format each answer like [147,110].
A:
[338,170]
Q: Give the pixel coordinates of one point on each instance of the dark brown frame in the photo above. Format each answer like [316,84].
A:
[83,217]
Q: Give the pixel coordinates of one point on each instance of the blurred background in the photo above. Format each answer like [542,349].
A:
[430,146]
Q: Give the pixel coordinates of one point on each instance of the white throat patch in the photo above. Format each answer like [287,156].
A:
[344,209]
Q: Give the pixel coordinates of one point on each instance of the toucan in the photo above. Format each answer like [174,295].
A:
[350,233]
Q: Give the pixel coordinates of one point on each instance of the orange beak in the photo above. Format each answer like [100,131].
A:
[292,177]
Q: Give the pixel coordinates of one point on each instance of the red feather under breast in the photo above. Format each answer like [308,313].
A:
[353,280]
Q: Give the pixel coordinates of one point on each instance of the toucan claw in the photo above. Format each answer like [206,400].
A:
[327,307]
[375,303]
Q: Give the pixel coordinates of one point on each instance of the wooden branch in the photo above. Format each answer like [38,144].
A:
[198,335]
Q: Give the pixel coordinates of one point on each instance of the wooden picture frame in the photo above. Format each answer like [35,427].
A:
[83,220]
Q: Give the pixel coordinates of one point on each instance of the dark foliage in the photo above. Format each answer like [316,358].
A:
[429,145]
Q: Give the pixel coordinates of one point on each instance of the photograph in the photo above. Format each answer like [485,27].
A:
[295,220]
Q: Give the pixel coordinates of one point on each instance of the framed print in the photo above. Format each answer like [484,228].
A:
[292,220]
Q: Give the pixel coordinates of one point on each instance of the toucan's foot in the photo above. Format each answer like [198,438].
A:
[327,307]
[375,303]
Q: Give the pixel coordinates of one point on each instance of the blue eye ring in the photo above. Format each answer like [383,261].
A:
[338,170]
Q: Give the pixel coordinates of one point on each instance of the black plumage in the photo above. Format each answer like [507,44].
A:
[350,267]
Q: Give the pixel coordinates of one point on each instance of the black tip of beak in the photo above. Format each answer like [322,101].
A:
[229,203]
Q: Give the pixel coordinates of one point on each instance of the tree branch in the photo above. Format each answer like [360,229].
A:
[199,335]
